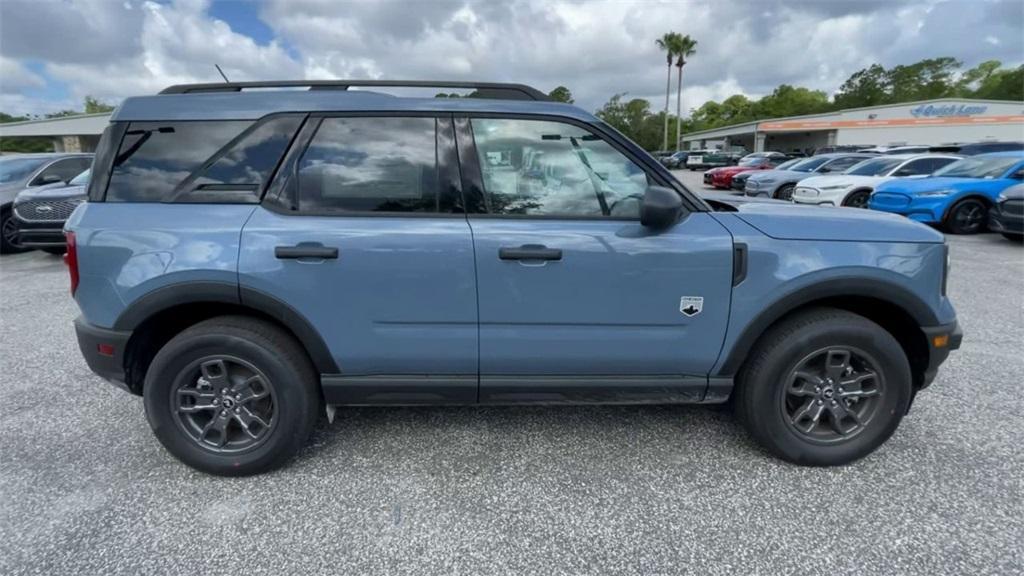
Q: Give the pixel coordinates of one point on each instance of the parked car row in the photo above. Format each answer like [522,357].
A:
[963,149]
[963,195]
[33,173]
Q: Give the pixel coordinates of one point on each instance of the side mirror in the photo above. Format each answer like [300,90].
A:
[661,207]
[48,179]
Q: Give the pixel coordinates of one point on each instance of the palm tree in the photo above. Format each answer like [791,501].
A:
[667,42]
[684,48]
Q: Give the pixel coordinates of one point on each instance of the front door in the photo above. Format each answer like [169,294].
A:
[371,248]
[578,301]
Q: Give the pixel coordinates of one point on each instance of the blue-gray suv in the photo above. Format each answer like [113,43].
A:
[250,259]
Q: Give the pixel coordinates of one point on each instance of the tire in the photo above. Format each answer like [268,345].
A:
[858,199]
[255,360]
[967,216]
[785,192]
[1013,237]
[55,251]
[8,226]
[770,397]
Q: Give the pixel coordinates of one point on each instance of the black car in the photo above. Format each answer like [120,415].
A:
[1007,215]
[39,214]
[986,147]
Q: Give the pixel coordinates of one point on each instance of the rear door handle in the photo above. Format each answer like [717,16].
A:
[311,251]
[529,252]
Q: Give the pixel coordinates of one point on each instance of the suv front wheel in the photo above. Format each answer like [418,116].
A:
[232,396]
[824,388]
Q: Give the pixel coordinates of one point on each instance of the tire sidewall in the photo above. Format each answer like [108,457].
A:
[770,384]
[292,407]
[951,223]
[848,202]
[781,192]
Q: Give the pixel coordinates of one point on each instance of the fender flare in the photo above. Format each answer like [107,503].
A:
[181,293]
[885,291]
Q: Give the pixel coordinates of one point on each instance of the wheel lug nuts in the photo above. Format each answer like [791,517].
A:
[223,412]
[236,410]
[216,401]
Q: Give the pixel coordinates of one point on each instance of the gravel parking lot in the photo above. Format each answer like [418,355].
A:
[86,489]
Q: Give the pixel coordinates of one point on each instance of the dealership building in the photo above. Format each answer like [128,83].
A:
[930,122]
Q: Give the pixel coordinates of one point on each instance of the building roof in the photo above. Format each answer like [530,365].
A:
[80,125]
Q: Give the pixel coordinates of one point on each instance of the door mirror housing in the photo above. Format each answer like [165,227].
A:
[661,207]
[48,179]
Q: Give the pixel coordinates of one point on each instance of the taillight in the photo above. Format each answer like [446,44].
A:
[71,259]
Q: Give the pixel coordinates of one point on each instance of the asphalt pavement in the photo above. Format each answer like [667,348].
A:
[85,488]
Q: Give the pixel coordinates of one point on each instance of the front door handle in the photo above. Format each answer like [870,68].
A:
[304,250]
[529,252]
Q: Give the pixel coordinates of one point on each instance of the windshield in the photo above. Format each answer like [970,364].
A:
[14,169]
[788,164]
[80,180]
[874,166]
[978,167]
[753,161]
[808,164]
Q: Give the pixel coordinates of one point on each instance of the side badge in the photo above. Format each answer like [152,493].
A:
[691,305]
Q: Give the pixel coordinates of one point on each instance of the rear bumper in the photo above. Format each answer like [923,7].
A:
[103,350]
[937,354]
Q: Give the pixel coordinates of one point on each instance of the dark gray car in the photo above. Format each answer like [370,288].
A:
[21,171]
[780,183]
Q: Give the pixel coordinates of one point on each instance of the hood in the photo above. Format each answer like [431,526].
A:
[779,175]
[917,185]
[786,221]
[50,193]
[848,181]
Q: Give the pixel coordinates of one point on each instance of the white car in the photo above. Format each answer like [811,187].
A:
[853,187]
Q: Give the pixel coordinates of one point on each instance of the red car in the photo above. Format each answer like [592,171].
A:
[722,177]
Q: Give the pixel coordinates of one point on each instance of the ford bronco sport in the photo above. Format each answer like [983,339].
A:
[249,259]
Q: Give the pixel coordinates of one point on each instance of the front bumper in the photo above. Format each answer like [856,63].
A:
[103,350]
[941,341]
[40,234]
[1005,221]
[926,209]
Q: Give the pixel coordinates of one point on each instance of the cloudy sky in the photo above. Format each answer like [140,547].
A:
[54,52]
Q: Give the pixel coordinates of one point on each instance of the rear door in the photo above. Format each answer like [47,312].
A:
[578,301]
[363,235]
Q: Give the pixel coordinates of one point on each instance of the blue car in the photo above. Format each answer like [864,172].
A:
[249,259]
[957,196]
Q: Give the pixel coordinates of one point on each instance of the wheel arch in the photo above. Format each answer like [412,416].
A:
[857,190]
[984,199]
[160,315]
[895,309]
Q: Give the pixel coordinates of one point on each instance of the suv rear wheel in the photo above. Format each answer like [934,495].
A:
[232,396]
[824,388]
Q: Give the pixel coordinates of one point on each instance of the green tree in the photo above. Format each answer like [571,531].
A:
[561,94]
[867,87]
[684,47]
[94,106]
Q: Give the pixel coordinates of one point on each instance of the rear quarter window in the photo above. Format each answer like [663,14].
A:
[198,161]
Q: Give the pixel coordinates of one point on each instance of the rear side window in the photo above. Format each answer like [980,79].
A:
[370,165]
[198,161]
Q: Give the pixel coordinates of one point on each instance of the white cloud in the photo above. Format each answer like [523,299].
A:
[597,48]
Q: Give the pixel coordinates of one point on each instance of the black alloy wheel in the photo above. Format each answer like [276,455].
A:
[967,217]
[858,199]
[832,394]
[224,404]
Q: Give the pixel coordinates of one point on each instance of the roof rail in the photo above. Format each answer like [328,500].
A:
[496,90]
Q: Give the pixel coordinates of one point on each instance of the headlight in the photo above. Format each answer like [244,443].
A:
[936,193]
[834,187]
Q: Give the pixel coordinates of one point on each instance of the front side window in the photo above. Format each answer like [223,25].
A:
[541,168]
[923,166]
[62,170]
[839,164]
[874,167]
[14,168]
[370,165]
[809,164]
